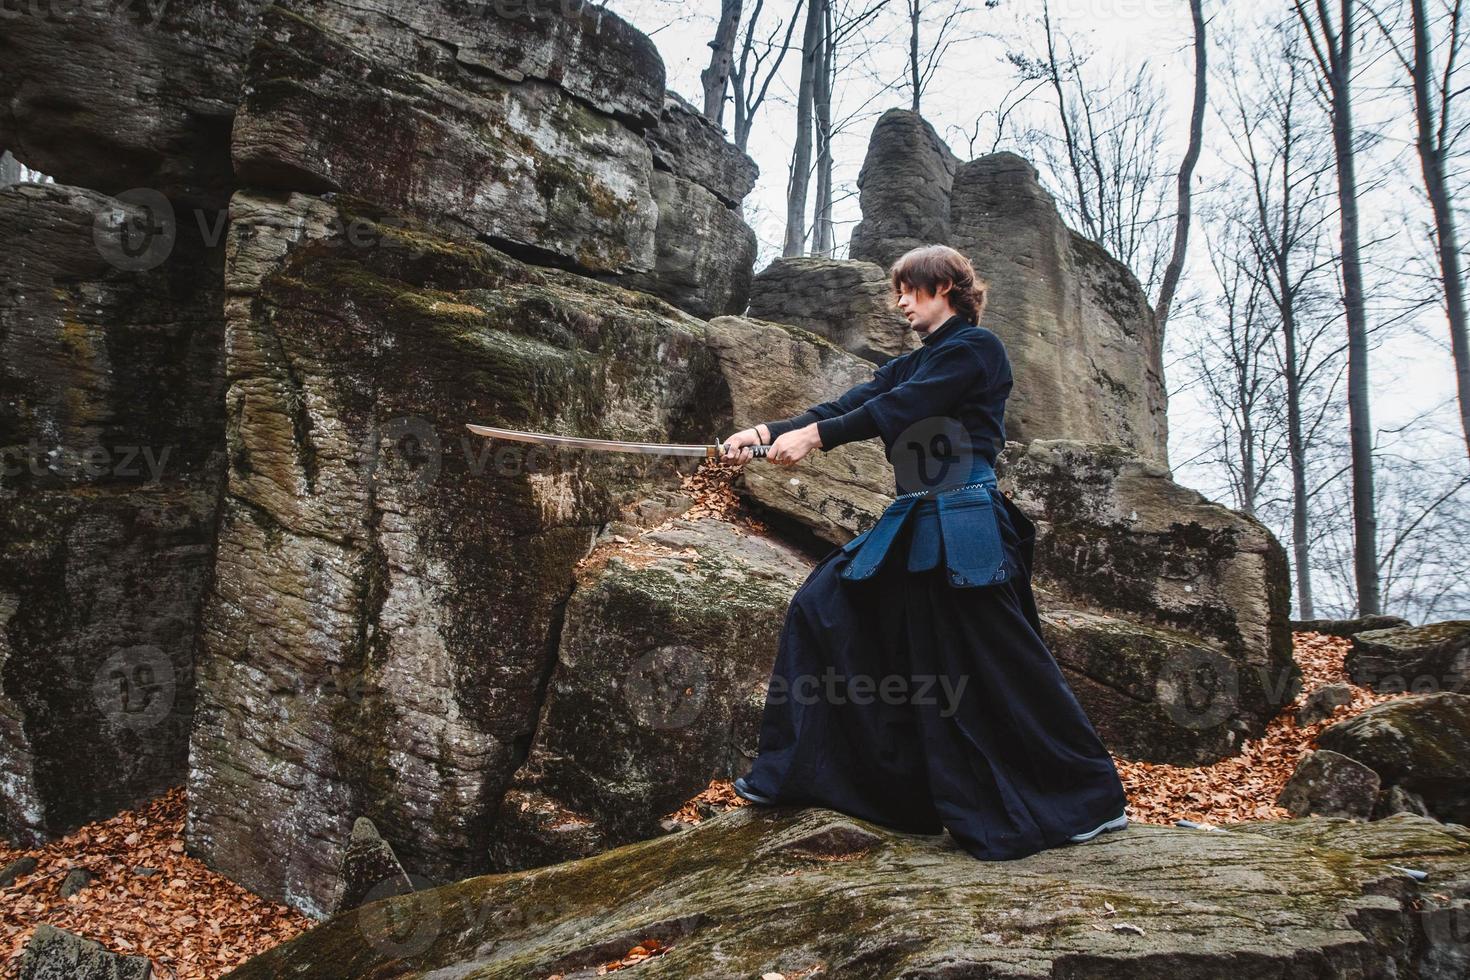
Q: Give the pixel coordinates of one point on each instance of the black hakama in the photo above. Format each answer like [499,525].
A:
[984,738]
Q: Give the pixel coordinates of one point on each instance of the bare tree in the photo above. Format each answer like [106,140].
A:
[1186,172]
[842,46]
[1235,365]
[1332,49]
[759,62]
[716,77]
[925,59]
[1284,171]
[1433,83]
[813,61]
[1105,161]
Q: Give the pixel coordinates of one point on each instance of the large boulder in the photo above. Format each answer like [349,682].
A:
[1083,342]
[111,440]
[1347,627]
[808,892]
[120,96]
[1168,611]
[526,163]
[1418,659]
[1420,743]
[389,588]
[58,954]
[658,687]
[687,143]
[848,302]
[1332,785]
[903,189]
[774,371]
[1085,349]
[537,130]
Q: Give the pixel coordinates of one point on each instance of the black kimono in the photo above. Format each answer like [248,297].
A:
[912,686]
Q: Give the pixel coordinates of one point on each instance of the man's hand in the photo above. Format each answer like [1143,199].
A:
[791,447]
[735,446]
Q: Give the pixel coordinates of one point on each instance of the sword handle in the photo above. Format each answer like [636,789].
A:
[718,452]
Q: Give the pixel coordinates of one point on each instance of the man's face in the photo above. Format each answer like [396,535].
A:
[924,311]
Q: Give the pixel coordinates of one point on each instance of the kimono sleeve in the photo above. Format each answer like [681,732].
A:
[941,381]
[881,381]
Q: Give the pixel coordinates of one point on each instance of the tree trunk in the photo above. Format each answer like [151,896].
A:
[914,50]
[801,154]
[1431,160]
[717,75]
[824,234]
[1175,268]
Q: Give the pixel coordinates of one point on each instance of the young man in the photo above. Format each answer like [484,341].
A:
[912,686]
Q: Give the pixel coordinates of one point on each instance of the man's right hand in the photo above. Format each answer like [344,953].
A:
[735,445]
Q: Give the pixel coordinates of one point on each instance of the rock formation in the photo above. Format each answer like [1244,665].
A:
[848,302]
[111,440]
[390,588]
[1419,659]
[658,687]
[790,891]
[57,954]
[66,110]
[333,607]
[1084,347]
[1418,744]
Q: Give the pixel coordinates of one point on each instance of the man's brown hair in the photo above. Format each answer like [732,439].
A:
[926,268]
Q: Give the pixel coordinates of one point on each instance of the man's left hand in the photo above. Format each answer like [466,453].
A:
[789,448]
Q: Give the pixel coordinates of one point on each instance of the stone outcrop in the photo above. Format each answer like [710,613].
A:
[1084,346]
[850,303]
[57,954]
[904,189]
[1347,627]
[1419,743]
[686,143]
[1330,784]
[658,687]
[120,96]
[758,891]
[111,440]
[389,588]
[1167,610]
[528,128]
[775,371]
[370,870]
[1419,659]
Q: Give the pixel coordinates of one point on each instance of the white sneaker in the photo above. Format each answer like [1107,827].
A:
[1117,823]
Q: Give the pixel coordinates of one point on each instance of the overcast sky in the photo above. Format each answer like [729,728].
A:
[1409,373]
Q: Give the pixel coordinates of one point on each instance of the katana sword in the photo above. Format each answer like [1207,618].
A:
[613,445]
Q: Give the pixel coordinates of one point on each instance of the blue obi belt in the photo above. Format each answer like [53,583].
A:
[962,523]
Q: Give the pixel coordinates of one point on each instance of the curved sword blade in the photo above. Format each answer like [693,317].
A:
[577,442]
